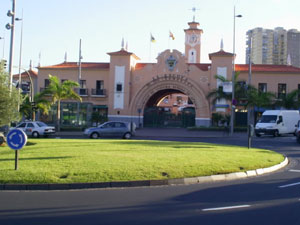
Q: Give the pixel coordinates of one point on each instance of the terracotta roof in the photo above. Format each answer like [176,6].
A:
[220,53]
[124,52]
[72,65]
[139,66]
[25,74]
[267,68]
[202,66]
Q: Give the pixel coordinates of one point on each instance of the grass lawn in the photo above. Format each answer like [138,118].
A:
[86,160]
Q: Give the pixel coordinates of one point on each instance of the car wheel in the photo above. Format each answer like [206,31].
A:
[276,133]
[127,135]
[35,134]
[257,135]
[94,135]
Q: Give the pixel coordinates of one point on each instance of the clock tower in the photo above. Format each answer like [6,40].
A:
[193,43]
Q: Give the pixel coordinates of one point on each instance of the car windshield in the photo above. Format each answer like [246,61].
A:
[268,119]
[41,124]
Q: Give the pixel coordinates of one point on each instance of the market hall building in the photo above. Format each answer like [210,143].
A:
[147,93]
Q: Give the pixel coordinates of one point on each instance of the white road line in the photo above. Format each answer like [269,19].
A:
[226,208]
[289,185]
[297,171]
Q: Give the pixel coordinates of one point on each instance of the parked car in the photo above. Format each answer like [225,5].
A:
[111,129]
[298,132]
[36,128]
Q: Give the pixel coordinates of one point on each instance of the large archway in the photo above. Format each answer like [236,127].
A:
[171,83]
[169,108]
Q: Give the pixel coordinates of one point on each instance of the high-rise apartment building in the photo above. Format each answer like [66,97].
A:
[278,46]
[293,47]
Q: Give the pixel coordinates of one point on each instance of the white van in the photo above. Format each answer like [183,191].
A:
[277,122]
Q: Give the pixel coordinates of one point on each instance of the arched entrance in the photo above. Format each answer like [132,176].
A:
[169,108]
[163,85]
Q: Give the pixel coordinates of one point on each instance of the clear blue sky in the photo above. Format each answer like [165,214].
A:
[55,27]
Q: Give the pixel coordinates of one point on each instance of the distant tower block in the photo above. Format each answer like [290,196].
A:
[193,43]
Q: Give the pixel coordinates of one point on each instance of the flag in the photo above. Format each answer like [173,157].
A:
[171,35]
[152,39]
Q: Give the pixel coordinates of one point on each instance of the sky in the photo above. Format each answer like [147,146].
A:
[53,28]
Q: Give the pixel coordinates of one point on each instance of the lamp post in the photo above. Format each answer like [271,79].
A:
[20,55]
[233,101]
[11,26]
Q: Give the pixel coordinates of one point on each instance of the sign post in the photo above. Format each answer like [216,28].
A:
[16,139]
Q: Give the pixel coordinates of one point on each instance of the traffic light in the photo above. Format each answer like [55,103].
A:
[4,63]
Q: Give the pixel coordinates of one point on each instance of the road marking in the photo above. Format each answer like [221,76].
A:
[297,171]
[226,208]
[289,185]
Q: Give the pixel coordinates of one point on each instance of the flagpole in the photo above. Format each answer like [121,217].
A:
[150,46]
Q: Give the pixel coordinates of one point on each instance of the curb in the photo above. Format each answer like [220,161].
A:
[147,183]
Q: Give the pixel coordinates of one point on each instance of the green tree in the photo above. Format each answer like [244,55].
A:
[259,99]
[41,104]
[8,100]
[218,93]
[240,91]
[58,91]
[289,101]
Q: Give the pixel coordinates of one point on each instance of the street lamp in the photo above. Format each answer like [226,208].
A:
[31,95]
[10,26]
[20,55]
[233,101]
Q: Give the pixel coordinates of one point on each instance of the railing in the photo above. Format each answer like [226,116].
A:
[82,91]
[99,92]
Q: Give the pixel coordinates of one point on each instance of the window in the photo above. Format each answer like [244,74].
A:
[281,90]
[119,87]
[262,87]
[30,125]
[242,84]
[21,125]
[82,83]
[99,84]
[46,83]
[109,125]
[119,125]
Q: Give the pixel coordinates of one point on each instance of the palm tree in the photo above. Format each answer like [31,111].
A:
[59,91]
[240,91]
[218,93]
[289,101]
[260,99]
[41,104]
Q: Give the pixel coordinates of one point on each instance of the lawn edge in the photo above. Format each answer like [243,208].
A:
[147,183]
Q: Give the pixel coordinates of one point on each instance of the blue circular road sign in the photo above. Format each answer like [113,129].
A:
[16,139]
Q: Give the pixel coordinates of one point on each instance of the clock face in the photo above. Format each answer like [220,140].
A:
[193,39]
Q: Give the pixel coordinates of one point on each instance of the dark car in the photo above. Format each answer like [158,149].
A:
[111,129]
[298,132]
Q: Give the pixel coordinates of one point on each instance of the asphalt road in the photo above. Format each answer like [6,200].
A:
[269,199]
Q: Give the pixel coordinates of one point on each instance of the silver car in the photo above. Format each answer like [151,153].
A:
[111,129]
[36,128]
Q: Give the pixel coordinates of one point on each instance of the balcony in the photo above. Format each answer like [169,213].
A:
[98,92]
[82,91]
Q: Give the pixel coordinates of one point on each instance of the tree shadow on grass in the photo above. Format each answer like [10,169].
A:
[37,158]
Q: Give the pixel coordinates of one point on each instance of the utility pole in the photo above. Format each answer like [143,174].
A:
[11,26]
